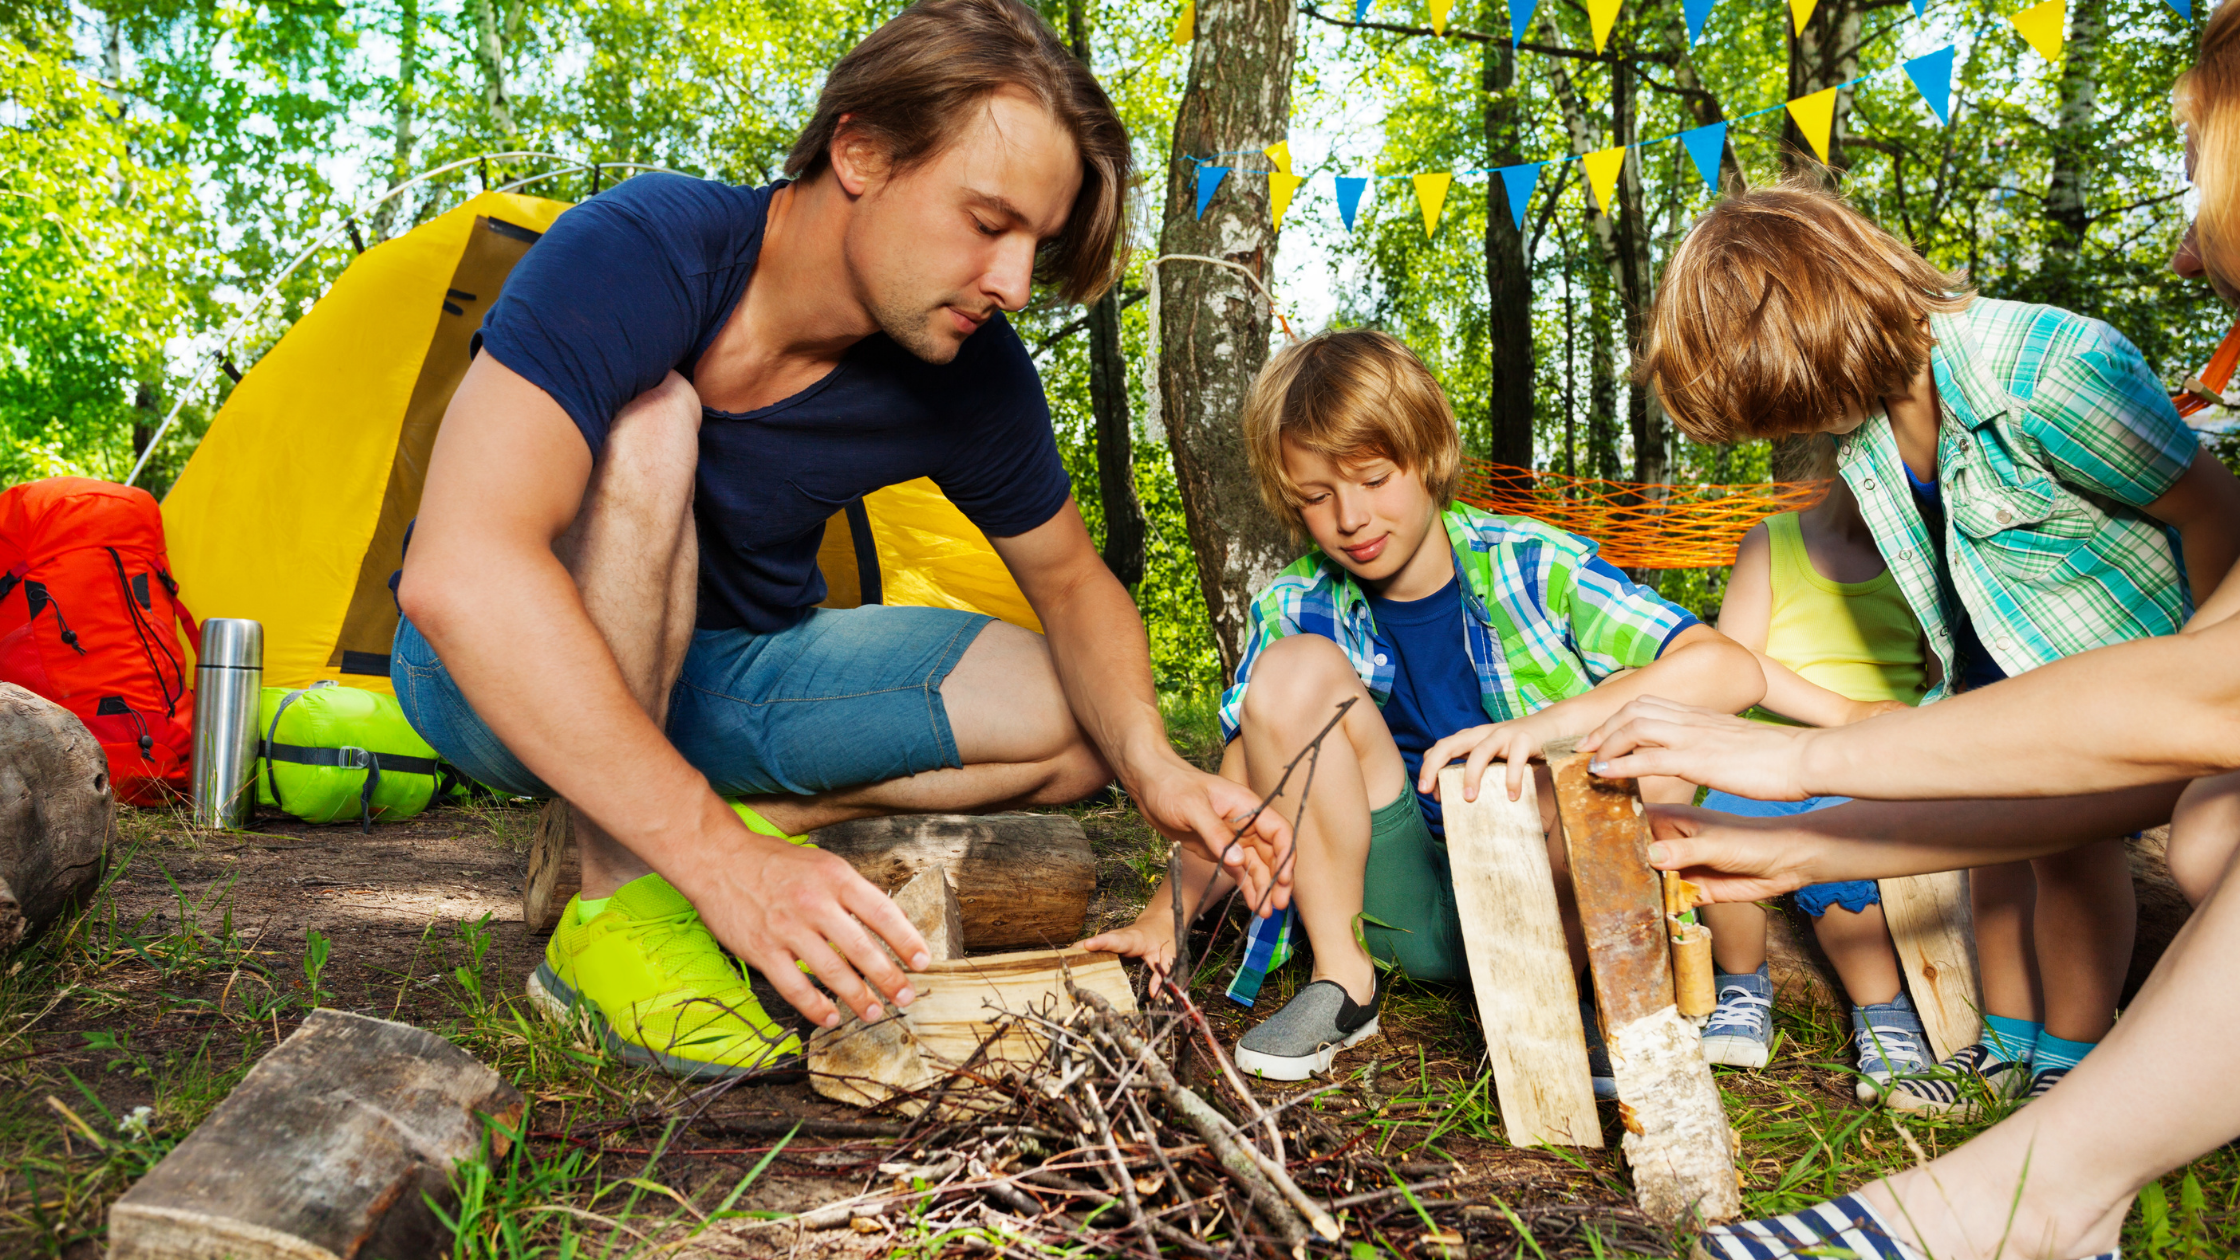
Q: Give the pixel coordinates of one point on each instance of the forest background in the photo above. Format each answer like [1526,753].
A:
[162,160]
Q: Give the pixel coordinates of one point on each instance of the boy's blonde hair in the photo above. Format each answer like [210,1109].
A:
[1349,395]
[1782,307]
[2206,103]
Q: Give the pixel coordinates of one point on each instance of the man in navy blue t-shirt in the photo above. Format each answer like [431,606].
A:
[611,591]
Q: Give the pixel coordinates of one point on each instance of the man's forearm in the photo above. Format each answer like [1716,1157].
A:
[2150,711]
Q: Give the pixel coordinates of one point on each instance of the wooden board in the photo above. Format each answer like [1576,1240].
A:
[323,1150]
[1620,896]
[959,1002]
[1934,932]
[863,1063]
[1520,969]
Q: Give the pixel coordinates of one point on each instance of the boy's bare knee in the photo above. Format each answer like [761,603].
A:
[1297,675]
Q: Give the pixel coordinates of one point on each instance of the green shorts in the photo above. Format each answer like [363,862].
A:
[1409,885]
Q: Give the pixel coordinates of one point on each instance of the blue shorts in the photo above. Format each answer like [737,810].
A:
[843,698]
[1854,895]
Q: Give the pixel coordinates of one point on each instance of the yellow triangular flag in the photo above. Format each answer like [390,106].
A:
[1816,114]
[1602,175]
[1280,188]
[1439,15]
[1800,12]
[1186,26]
[2042,24]
[1431,194]
[1601,16]
[1280,154]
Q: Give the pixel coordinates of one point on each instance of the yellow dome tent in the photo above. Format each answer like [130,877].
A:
[293,508]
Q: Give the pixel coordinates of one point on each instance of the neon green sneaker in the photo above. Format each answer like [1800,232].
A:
[648,978]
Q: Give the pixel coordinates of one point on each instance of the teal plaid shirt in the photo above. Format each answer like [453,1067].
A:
[2054,438]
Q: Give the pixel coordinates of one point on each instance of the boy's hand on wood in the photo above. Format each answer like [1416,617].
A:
[1733,859]
[1513,743]
[1717,750]
[1154,945]
[1205,811]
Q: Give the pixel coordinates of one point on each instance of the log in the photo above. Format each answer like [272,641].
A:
[1022,879]
[1934,934]
[323,1151]
[1520,968]
[2163,908]
[862,1063]
[56,804]
[1677,1140]
[961,1001]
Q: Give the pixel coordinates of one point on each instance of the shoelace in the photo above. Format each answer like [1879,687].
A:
[1897,1047]
[1739,1009]
[668,939]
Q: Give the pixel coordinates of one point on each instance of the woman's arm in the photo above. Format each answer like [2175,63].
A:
[2204,507]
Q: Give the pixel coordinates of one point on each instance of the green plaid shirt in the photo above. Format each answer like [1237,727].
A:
[2054,438]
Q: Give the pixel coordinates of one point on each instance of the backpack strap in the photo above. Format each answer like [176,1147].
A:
[372,763]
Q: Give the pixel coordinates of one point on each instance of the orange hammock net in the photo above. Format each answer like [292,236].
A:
[1639,526]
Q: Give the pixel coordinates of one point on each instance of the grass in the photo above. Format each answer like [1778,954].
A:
[124,1026]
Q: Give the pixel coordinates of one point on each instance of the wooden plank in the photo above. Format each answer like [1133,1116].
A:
[1934,932]
[322,1152]
[1520,968]
[1677,1140]
[863,1063]
[960,1002]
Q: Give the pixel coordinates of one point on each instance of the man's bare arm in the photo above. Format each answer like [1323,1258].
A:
[1103,659]
[481,582]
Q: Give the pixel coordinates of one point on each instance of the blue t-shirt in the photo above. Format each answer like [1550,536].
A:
[1972,661]
[638,280]
[1434,687]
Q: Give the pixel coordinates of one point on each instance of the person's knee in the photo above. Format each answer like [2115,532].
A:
[1074,774]
[1297,676]
[2199,856]
[652,449]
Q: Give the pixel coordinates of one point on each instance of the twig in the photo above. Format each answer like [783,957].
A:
[1236,1083]
[1127,1183]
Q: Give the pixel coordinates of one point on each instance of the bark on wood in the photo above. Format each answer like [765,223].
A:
[323,1151]
[1520,969]
[863,1063]
[1934,934]
[1021,879]
[1677,1141]
[2163,908]
[1802,975]
[1214,326]
[55,809]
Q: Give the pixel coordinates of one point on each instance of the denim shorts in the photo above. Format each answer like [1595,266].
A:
[1854,895]
[843,698]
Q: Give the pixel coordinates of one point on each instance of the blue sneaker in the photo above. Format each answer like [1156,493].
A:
[1740,1032]
[1888,1037]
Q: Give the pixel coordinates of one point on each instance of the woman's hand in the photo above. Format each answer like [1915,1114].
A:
[1733,859]
[1515,743]
[1717,750]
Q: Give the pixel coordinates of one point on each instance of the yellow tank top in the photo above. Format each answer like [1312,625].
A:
[1857,639]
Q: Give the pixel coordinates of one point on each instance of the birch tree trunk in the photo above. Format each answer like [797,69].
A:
[1108,401]
[1214,326]
[2079,93]
[1824,54]
[490,55]
[1509,409]
[404,116]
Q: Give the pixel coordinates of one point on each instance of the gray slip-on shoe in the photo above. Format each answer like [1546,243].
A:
[1300,1040]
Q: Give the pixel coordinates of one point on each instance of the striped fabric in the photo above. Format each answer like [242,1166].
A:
[1548,619]
[1842,1229]
[2055,436]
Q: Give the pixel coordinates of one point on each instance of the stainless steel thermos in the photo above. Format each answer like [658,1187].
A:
[228,681]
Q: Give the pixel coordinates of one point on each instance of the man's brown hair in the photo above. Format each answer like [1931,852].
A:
[2206,103]
[1349,395]
[912,84]
[1781,308]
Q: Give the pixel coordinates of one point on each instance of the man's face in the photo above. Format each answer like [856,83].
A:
[2187,260]
[935,250]
[1370,515]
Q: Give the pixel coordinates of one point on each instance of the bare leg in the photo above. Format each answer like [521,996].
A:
[1297,683]
[1015,734]
[1859,945]
[2004,898]
[1738,935]
[2204,832]
[636,560]
[2086,920]
[2154,1096]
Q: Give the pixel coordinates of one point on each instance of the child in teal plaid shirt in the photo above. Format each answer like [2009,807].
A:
[1460,635]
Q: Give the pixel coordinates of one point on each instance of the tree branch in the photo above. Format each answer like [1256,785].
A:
[1127,299]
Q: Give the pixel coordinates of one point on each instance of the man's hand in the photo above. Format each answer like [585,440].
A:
[775,903]
[1734,859]
[1717,750]
[1204,811]
[1514,743]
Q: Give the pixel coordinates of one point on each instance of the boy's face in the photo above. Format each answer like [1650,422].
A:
[1370,515]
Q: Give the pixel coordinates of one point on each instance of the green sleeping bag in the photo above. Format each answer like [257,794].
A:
[330,752]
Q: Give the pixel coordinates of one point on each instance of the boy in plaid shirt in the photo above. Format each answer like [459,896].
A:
[1461,635]
[2033,493]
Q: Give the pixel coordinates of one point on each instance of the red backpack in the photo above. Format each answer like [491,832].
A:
[86,619]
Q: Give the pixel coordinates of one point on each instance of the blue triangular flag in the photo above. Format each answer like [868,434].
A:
[1360,9]
[1920,8]
[1520,17]
[1519,182]
[1209,179]
[1707,146]
[1349,196]
[1932,77]
[2184,8]
[1699,12]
